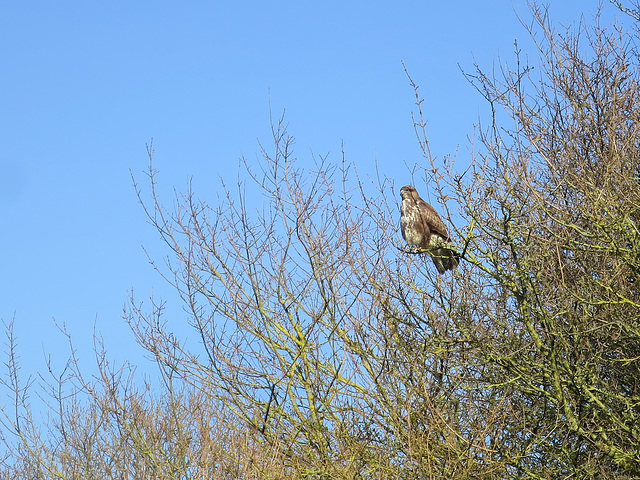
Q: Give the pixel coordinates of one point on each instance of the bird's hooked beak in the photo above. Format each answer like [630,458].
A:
[405,191]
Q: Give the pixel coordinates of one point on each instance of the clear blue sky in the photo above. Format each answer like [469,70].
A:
[84,85]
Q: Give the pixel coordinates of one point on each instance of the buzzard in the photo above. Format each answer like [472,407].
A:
[424,230]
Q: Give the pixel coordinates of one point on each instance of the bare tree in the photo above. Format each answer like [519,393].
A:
[324,338]
[555,206]
[315,330]
[325,351]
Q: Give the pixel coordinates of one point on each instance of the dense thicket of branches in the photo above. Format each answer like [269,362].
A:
[557,231]
[326,352]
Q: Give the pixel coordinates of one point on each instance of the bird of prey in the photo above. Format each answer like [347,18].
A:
[424,230]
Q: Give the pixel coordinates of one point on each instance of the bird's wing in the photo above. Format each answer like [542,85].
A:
[433,219]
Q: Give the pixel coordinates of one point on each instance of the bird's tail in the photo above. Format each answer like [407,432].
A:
[445,258]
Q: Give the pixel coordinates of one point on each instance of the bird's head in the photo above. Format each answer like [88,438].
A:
[408,191]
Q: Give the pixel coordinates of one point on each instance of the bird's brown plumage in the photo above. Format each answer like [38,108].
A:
[423,229]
